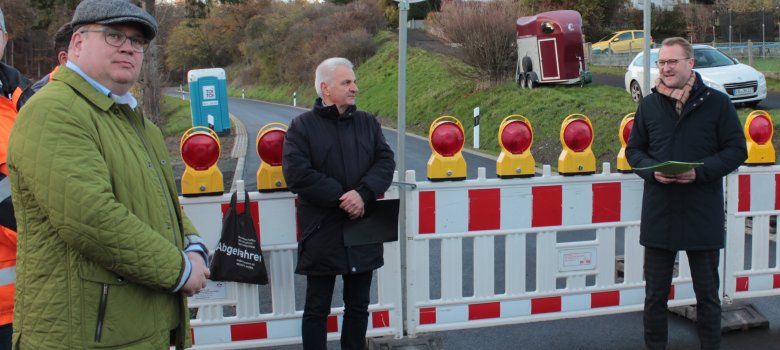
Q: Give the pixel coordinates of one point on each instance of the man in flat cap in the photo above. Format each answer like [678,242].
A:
[106,257]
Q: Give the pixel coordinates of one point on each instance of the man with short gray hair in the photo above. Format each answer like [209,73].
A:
[106,257]
[337,160]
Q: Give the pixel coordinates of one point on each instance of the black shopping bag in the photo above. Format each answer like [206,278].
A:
[238,257]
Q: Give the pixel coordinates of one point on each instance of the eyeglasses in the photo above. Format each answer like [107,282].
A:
[117,38]
[671,63]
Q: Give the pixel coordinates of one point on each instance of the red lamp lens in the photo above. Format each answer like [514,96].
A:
[270,145]
[200,151]
[627,130]
[447,139]
[760,129]
[578,135]
[516,137]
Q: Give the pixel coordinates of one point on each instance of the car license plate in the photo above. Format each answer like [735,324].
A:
[743,91]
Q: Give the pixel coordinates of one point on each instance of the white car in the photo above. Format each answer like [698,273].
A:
[740,82]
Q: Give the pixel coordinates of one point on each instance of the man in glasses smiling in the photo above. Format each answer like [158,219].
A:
[106,257]
[683,120]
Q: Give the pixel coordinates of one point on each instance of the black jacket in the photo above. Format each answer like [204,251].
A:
[686,217]
[325,156]
[12,80]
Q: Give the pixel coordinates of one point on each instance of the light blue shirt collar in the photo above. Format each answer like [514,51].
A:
[127,98]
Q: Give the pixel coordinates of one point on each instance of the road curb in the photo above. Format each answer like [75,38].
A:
[239,150]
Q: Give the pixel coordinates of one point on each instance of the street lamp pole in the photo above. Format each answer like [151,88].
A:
[763,35]
[403,7]
[646,58]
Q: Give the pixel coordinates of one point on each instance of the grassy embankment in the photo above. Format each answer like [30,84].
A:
[177,116]
[433,90]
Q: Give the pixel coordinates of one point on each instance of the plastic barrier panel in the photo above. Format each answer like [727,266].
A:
[533,249]
[753,203]
[235,315]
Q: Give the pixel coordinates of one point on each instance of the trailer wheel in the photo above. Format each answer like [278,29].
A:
[522,81]
[531,81]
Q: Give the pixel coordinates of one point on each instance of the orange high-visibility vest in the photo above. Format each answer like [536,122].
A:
[8,112]
[7,274]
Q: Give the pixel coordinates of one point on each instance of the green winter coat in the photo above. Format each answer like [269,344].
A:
[100,226]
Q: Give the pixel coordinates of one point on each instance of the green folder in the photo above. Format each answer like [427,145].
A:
[671,167]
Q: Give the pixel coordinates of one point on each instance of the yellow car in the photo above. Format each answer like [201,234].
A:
[624,41]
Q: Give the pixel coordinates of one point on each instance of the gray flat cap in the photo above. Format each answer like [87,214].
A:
[114,12]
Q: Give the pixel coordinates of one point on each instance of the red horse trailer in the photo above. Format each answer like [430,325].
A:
[550,50]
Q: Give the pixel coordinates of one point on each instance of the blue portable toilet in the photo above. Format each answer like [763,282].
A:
[208,99]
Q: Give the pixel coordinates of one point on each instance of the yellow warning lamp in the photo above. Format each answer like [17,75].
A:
[576,137]
[515,136]
[446,138]
[269,141]
[623,134]
[758,132]
[200,150]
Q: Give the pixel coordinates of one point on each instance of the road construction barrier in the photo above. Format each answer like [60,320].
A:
[531,249]
[753,201]
[576,238]
[236,315]
[573,272]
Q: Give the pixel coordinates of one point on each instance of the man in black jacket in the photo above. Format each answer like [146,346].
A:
[683,120]
[337,161]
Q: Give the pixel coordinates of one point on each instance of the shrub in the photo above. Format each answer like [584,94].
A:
[288,41]
[486,34]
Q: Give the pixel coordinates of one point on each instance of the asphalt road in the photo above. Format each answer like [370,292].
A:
[254,114]
[772,100]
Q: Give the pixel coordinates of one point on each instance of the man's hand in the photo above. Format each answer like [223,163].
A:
[684,178]
[198,277]
[352,204]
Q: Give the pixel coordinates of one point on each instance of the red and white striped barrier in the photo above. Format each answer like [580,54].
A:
[540,210]
[249,326]
[577,226]
[754,193]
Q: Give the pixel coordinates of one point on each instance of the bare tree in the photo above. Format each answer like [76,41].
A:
[150,78]
[486,34]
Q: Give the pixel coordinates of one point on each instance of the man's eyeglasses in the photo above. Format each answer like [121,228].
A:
[117,38]
[671,63]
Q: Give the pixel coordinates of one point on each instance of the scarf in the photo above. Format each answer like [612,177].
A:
[679,95]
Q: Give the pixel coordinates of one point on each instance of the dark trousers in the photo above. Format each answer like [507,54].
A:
[659,265]
[6,332]
[319,291]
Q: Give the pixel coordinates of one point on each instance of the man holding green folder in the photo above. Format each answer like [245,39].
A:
[686,138]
